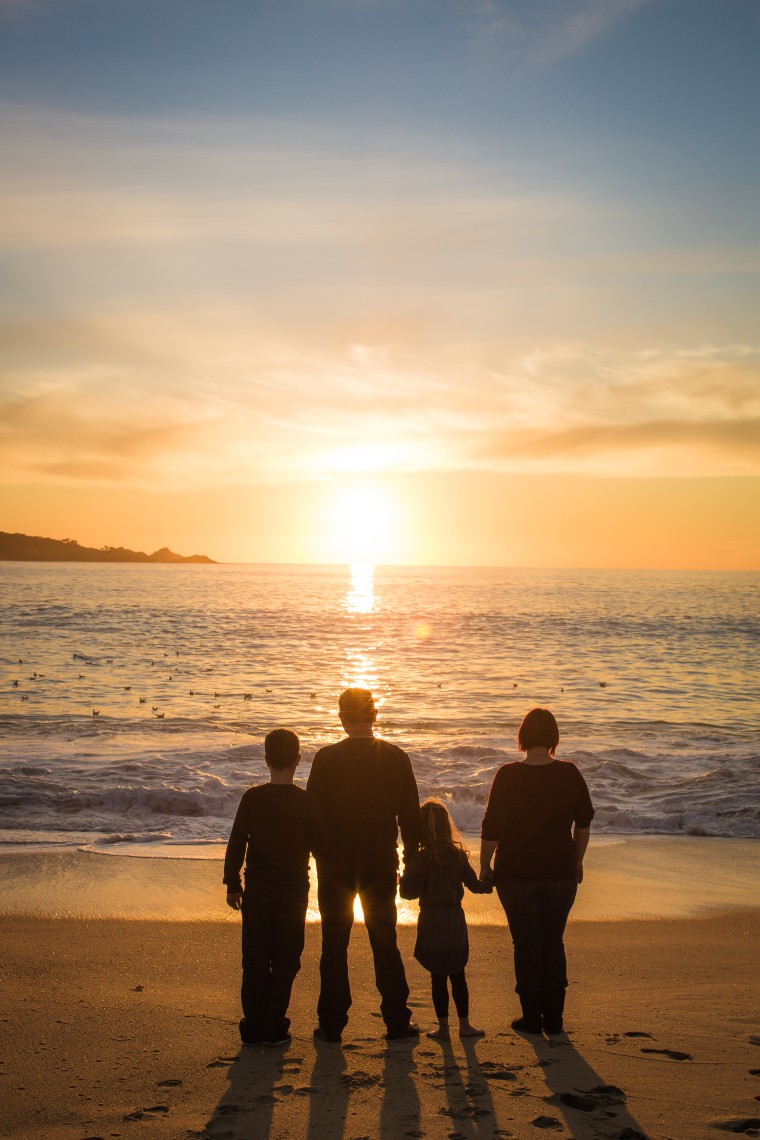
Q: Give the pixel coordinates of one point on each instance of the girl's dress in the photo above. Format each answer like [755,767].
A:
[442,945]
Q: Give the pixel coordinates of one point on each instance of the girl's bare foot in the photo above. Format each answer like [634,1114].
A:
[441,1033]
[468,1030]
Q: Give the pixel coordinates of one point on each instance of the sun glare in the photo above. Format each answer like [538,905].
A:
[362,526]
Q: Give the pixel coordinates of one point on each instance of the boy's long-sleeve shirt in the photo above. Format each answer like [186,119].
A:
[275,829]
[367,790]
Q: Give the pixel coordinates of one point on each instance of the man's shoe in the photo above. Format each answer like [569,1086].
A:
[280,1041]
[531,1021]
[527,1025]
[407,1034]
[321,1034]
[251,1043]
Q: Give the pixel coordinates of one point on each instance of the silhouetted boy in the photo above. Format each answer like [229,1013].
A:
[276,826]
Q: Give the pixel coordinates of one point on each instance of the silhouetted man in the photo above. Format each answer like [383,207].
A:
[368,792]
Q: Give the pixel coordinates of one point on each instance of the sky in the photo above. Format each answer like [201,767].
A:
[401,281]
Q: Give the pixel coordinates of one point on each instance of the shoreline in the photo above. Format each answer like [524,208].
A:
[129,1029]
[627,878]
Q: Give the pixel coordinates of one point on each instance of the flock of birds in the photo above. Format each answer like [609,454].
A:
[156,710]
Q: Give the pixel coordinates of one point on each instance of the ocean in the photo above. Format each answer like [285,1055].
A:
[652,677]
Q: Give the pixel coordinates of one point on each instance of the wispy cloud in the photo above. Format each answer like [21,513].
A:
[216,406]
[208,302]
[546,30]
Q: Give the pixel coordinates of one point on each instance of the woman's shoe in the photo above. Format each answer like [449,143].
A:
[530,1022]
[552,1008]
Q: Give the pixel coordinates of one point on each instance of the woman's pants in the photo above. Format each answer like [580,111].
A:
[459,992]
[537,915]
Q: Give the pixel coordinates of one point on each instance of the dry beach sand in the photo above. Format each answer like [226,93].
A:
[116,1028]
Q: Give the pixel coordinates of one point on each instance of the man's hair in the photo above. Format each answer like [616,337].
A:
[538,730]
[357,705]
[281,748]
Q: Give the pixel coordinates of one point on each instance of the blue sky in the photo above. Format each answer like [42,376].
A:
[247,244]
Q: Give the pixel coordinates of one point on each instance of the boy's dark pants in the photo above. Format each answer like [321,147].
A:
[377,894]
[273,938]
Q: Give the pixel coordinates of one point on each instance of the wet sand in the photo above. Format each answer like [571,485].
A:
[117,1028]
[632,876]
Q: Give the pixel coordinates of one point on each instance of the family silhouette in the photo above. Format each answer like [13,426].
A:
[361,793]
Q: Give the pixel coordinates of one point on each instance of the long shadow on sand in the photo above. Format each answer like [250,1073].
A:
[259,1079]
[400,1109]
[592,1108]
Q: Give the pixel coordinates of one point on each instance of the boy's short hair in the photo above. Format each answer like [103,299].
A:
[357,705]
[281,748]
[539,729]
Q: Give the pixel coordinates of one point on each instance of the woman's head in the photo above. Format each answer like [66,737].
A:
[440,838]
[538,730]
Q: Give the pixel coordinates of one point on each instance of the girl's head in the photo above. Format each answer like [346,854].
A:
[538,730]
[440,838]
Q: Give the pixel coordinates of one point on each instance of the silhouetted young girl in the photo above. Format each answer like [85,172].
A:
[437,876]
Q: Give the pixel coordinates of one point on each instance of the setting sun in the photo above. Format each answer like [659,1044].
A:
[362,525]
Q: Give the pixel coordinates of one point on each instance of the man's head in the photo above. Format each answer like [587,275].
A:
[282,750]
[357,711]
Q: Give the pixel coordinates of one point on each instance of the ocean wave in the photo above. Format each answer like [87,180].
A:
[196,795]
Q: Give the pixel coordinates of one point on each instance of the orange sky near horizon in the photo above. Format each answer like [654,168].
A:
[431,283]
[550,521]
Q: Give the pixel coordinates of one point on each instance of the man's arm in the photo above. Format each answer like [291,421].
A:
[233,860]
[409,809]
[487,849]
[320,836]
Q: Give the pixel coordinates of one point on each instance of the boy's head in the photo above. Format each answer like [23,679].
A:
[282,749]
[357,708]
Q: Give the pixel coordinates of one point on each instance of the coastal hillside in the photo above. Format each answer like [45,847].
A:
[32,548]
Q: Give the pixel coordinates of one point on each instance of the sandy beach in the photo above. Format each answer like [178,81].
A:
[129,1029]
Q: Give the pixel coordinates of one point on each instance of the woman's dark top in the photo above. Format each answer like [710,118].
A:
[442,945]
[530,814]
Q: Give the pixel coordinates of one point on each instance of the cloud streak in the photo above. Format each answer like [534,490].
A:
[548,30]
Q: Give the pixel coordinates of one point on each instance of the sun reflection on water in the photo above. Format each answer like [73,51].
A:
[360,598]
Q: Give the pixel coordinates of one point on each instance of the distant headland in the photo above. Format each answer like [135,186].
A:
[31,548]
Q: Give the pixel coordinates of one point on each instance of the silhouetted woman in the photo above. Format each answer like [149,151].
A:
[537,822]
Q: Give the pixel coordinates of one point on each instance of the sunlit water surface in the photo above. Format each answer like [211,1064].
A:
[652,677]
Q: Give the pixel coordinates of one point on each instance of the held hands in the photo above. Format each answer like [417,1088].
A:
[486,874]
[235,899]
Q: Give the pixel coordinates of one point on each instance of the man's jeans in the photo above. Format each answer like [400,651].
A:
[537,914]
[377,893]
[273,938]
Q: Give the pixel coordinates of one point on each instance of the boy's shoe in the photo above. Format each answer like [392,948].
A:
[251,1043]
[321,1034]
[406,1034]
[281,1041]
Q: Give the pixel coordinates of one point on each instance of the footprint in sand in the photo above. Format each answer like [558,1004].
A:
[674,1054]
[589,1100]
[637,1033]
[360,1080]
[747,1125]
[547,1122]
